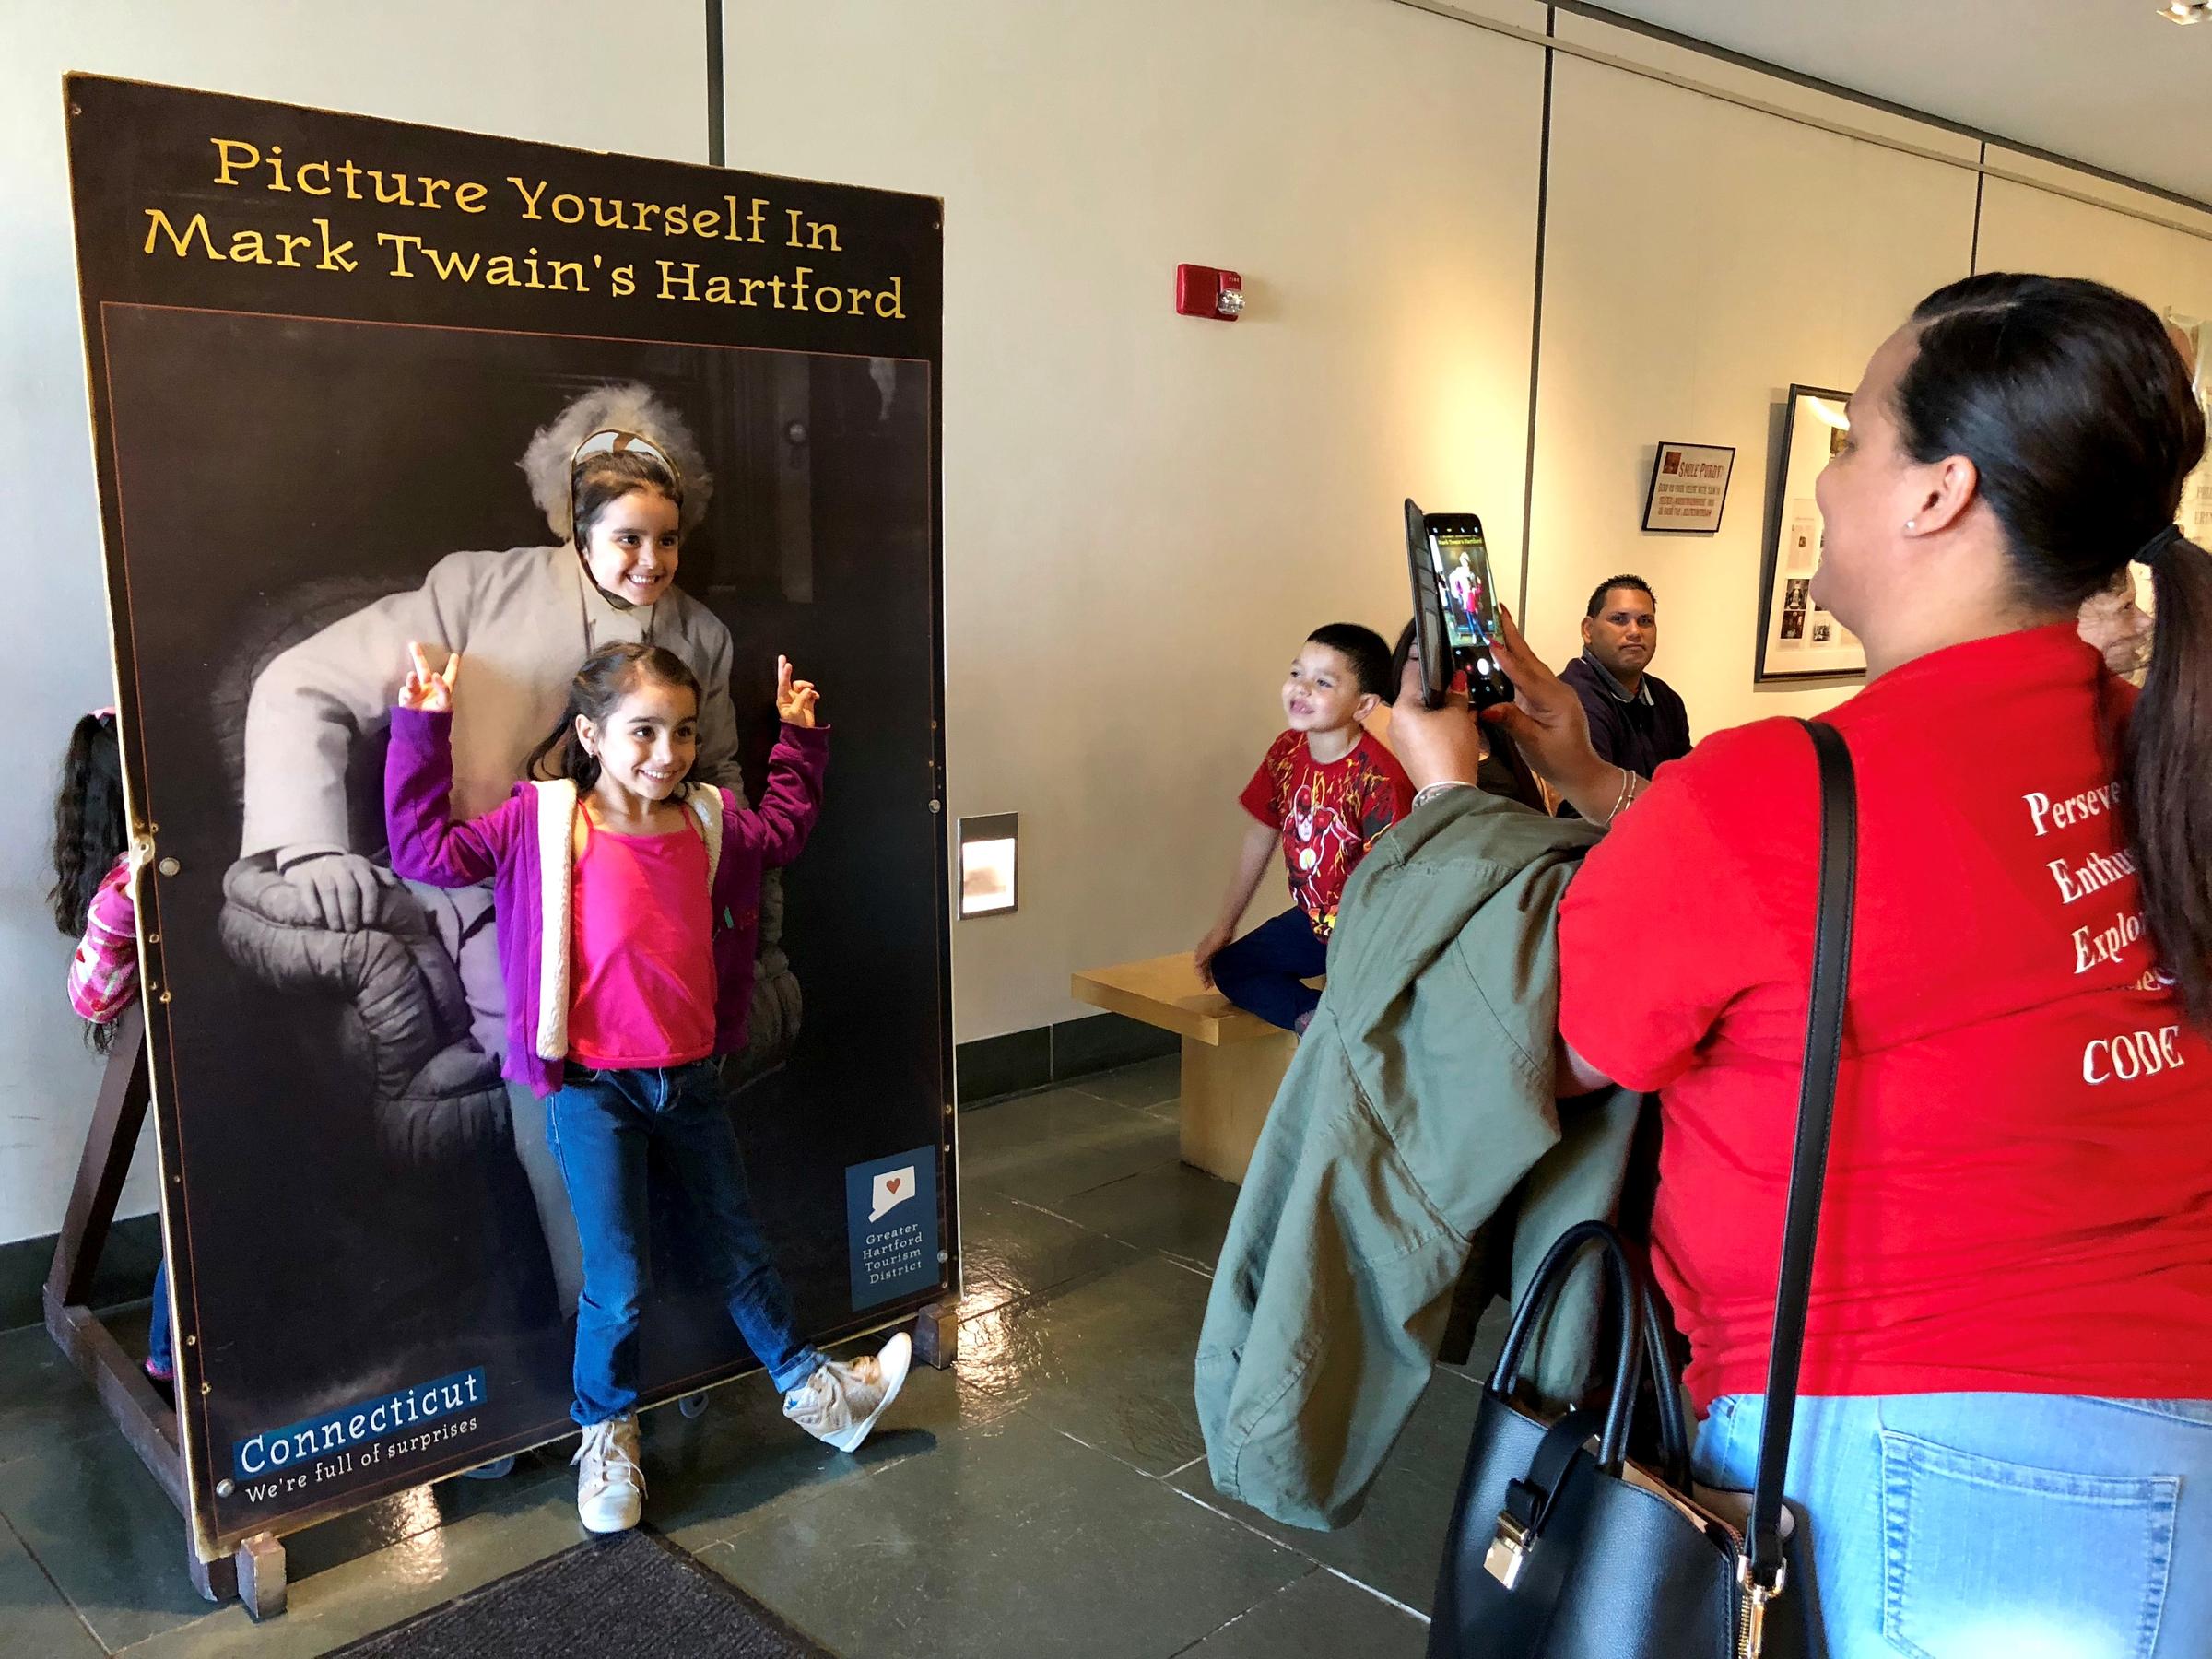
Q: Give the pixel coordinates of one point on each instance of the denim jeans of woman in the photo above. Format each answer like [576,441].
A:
[600,1126]
[1996,1526]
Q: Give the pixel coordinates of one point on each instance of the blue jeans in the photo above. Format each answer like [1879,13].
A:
[600,1126]
[1996,1526]
[160,1353]
[1265,972]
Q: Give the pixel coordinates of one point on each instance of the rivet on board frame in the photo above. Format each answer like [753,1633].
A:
[153,938]
[223,1489]
[169,866]
[936,806]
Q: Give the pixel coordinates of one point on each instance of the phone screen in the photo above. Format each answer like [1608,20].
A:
[1462,579]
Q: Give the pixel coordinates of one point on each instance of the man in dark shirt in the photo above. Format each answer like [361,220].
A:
[1636,720]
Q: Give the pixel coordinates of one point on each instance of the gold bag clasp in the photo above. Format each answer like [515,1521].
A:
[1508,1553]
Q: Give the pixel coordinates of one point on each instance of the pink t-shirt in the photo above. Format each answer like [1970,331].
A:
[642,962]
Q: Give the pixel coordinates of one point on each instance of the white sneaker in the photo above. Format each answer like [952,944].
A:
[841,1402]
[610,1487]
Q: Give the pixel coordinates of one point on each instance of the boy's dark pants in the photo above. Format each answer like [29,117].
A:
[1265,970]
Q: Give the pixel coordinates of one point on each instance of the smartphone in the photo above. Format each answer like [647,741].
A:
[1455,607]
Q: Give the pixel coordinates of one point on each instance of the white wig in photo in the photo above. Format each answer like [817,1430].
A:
[627,407]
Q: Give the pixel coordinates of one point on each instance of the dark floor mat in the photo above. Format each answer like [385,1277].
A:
[633,1597]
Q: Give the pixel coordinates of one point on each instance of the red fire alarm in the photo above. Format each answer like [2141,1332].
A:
[1204,292]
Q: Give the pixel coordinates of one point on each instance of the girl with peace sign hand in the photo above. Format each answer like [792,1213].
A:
[627,900]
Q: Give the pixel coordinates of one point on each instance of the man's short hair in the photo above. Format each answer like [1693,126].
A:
[1361,647]
[1597,599]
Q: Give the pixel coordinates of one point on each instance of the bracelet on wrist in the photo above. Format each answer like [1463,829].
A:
[1443,786]
[1631,785]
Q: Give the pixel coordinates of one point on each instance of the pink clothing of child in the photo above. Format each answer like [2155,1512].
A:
[103,974]
[643,951]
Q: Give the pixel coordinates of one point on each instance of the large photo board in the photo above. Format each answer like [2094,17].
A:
[338,368]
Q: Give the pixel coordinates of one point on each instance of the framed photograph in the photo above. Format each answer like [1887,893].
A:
[2195,514]
[1690,487]
[1797,639]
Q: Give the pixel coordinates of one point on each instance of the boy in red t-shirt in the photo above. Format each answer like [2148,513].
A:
[1327,789]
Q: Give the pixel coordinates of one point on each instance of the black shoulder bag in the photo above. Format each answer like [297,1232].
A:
[1562,1549]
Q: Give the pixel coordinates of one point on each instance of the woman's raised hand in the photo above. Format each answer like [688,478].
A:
[426,688]
[1434,746]
[1545,720]
[794,698]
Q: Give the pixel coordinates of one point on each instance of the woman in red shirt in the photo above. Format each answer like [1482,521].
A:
[2004,1443]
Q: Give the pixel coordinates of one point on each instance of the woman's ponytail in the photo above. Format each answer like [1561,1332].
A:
[2081,418]
[2166,773]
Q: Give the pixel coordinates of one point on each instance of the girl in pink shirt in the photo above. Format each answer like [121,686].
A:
[626,897]
[94,903]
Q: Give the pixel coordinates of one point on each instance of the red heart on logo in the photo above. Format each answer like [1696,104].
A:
[891,1185]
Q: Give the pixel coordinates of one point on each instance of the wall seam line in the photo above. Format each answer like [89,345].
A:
[1442,8]
[1535,340]
[717,155]
[1973,257]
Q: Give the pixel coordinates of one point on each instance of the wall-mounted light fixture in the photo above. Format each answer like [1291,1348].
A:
[2186,11]
[987,863]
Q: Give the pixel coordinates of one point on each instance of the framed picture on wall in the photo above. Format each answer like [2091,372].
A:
[1689,487]
[1797,639]
[2195,514]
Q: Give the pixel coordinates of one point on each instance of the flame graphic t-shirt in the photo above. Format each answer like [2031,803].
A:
[1329,816]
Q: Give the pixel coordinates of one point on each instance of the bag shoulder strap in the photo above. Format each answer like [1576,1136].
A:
[1808,1164]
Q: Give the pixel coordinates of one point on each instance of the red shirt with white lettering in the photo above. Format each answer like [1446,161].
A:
[2020,1188]
[1329,816]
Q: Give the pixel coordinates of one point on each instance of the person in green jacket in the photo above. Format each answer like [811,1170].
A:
[1420,1099]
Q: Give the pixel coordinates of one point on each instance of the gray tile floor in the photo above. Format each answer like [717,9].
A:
[1048,1496]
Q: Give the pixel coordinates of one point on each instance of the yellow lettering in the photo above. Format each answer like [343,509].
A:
[469,198]
[224,164]
[180,242]
[669,279]
[450,266]
[399,245]
[530,197]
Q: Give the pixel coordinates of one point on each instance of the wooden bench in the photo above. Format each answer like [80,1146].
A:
[1232,1062]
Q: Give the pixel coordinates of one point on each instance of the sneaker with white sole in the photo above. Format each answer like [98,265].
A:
[840,1401]
[610,1487]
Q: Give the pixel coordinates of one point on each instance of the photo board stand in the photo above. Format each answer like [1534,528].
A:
[255,1573]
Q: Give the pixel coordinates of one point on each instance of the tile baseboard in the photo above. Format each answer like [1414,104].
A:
[127,1270]
[992,1067]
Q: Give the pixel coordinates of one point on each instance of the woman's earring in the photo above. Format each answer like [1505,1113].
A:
[1911,526]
